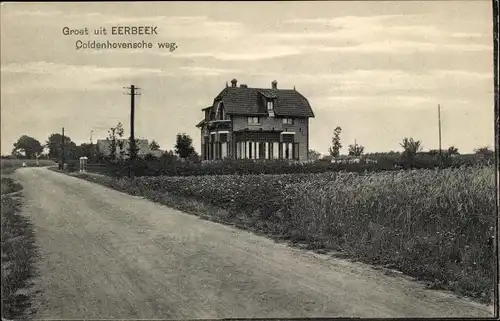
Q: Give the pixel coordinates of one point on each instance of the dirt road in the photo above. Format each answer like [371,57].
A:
[105,255]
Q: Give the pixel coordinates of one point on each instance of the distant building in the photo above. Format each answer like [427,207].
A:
[256,123]
[157,153]
[347,159]
[104,147]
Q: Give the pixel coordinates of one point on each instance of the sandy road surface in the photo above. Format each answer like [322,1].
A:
[105,254]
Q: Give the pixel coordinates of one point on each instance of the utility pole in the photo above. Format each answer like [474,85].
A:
[133,148]
[61,166]
[440,150]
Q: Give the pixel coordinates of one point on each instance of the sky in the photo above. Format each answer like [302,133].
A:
[376,69]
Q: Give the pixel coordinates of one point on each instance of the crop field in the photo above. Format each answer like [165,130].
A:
[436,225]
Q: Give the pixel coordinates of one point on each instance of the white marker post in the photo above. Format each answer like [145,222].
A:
[83,164]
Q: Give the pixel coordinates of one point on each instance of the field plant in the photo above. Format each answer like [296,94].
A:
[18,247]
[436,225]
[18,254]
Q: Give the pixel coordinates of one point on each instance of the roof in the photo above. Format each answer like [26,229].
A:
[252,101]
[268,93]
[125,140]
[201,122]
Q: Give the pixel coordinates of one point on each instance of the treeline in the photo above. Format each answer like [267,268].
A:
[27,147]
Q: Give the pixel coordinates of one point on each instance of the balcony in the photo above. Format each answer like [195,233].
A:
[219,124]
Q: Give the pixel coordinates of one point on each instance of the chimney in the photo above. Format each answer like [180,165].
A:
[243,86]
[274,84]
[234,82]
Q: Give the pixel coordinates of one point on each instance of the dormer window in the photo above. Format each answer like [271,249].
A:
[221,111]
[270,105]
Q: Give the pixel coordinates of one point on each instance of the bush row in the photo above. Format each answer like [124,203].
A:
[161,167]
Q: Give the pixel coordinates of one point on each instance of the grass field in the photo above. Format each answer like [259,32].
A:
[8,166]
[436,225]
[17,248]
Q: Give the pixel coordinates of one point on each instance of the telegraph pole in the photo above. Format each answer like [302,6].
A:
[62,150]
[439,124]
[133,148]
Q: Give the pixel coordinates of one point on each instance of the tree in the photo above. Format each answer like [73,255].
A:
[115,135]
[314,154]
[27,145]
[336,145]
[356,150]
[452,150]
[112,143]
[120,142]
[168,156]
[194,157]
[410,149]
[154,145]
[410,146]
[54,145]
[433,152]
[87,150]
[150,157]
[483,151]
[184,146]
[484,154]
[70,150]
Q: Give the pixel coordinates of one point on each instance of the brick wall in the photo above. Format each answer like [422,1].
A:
[300,127]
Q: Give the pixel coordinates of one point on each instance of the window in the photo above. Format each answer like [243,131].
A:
[262,150]
[221,112]
[288,121]
[249,154]
[276,150]
[270,105]
[287,150]
[241,150]
[223,145]
[253,120]
[212,147]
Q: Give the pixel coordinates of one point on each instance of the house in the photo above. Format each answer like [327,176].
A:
[256,123]
[104,147]
[347,159]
